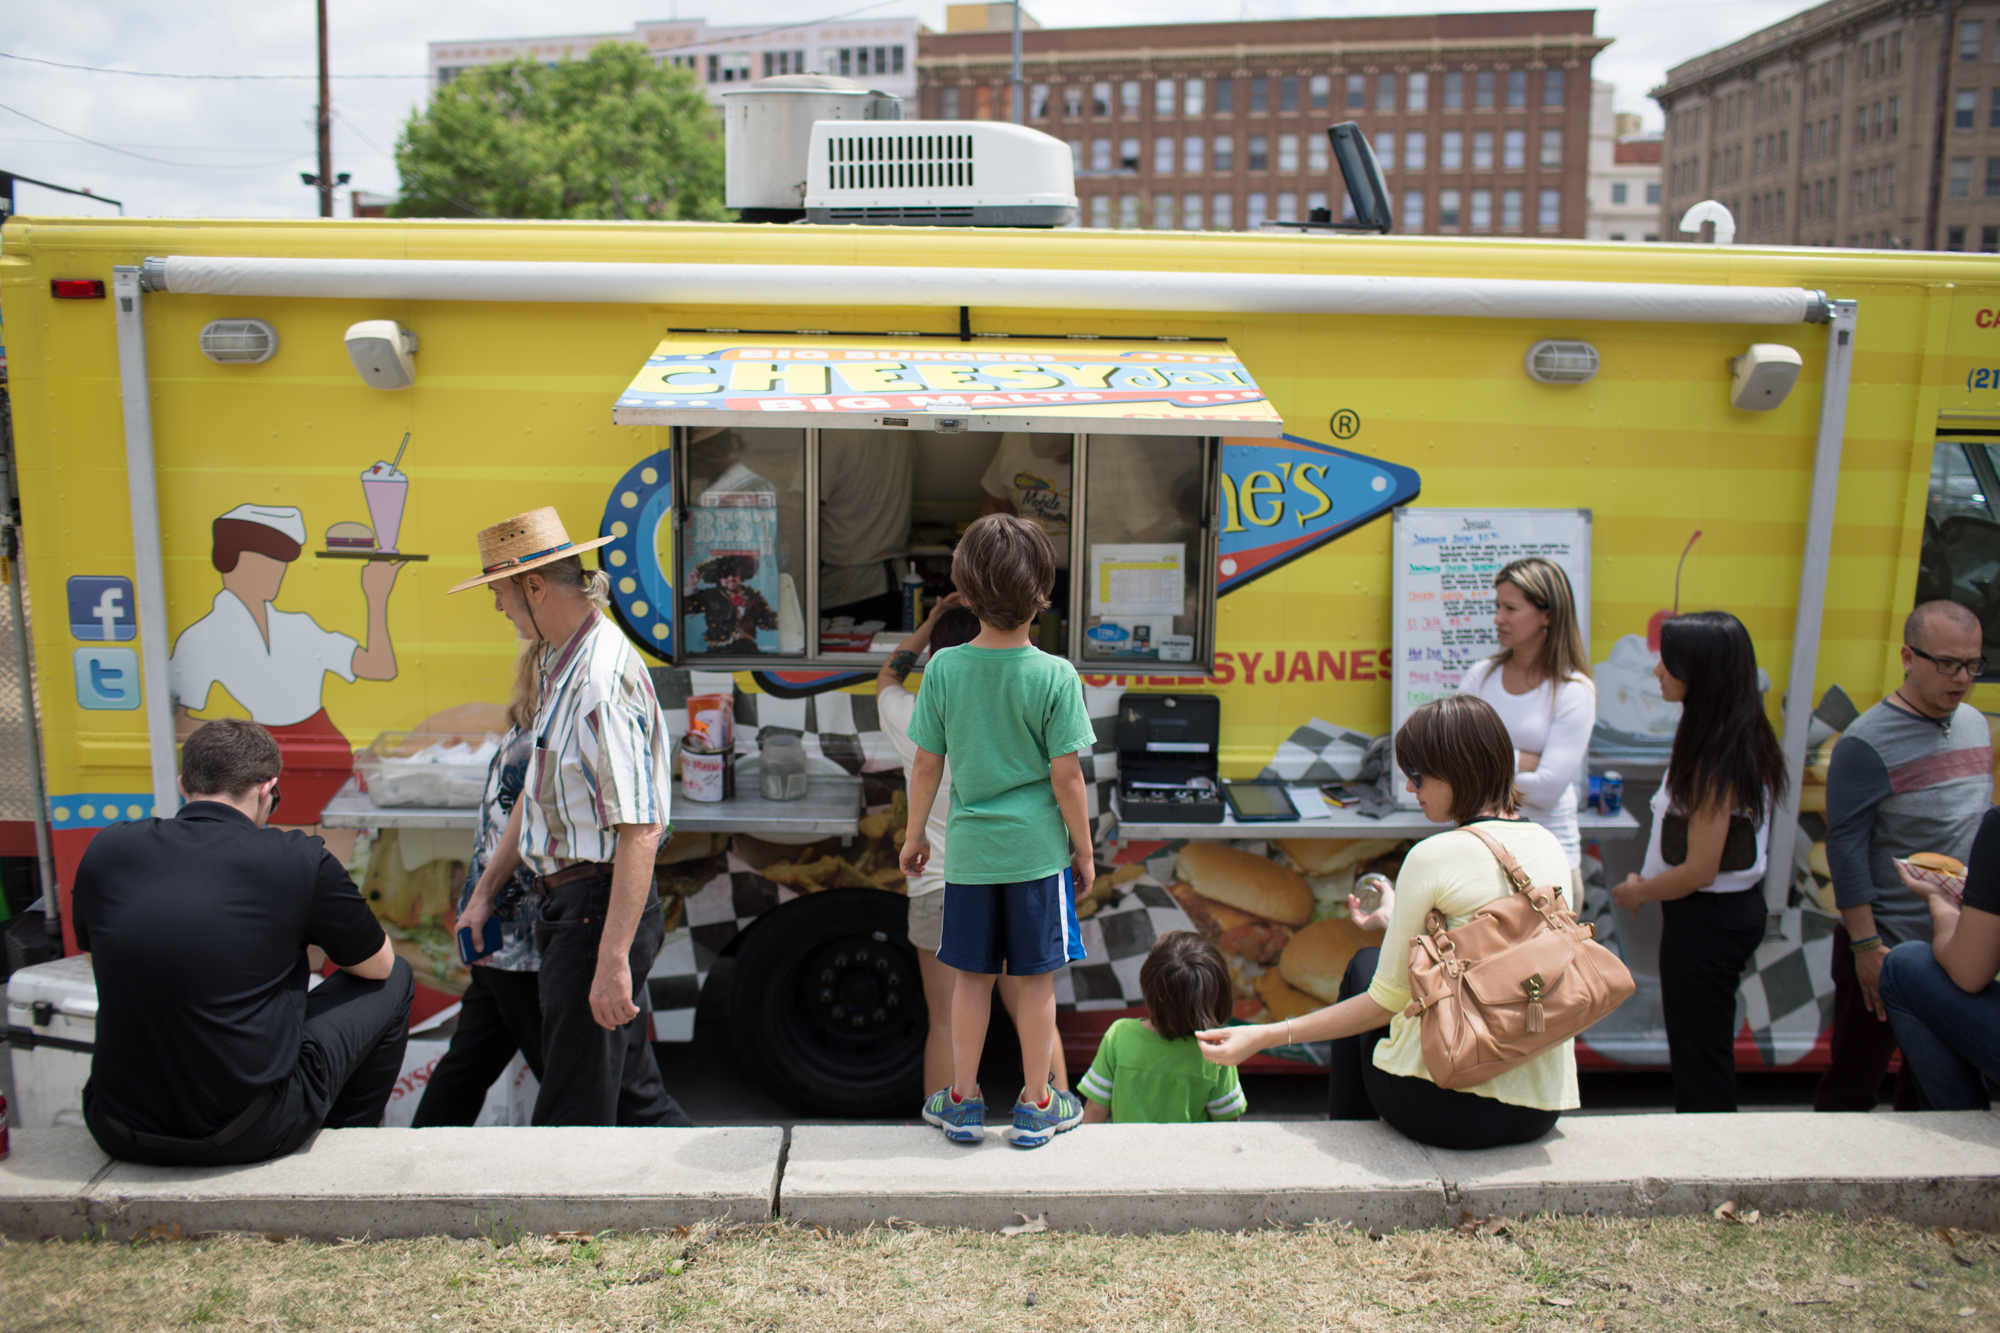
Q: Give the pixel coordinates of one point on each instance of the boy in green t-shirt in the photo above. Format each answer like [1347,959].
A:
[1017,839]
[1153,1072]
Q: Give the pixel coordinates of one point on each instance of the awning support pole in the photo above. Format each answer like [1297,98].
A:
[148,565]
[1799,700]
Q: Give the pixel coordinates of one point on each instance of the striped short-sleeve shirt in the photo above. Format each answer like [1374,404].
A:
[601,755]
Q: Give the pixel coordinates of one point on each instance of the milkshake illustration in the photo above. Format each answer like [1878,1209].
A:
[385,488]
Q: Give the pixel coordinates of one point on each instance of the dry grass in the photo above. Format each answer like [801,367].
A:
[1794,1272]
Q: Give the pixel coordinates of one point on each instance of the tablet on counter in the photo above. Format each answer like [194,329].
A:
[1259,802]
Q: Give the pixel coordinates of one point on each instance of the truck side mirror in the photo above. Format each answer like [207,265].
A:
[1362,175]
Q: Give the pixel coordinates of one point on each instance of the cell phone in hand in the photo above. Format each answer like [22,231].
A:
[489,942]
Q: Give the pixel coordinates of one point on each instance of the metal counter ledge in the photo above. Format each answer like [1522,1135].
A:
[1351,823]
[831,806]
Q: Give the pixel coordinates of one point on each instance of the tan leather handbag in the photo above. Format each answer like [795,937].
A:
[1521,975]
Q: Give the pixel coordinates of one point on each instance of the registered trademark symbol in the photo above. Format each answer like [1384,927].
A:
[1345,424]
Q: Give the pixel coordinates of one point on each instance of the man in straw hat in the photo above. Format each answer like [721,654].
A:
[590,817]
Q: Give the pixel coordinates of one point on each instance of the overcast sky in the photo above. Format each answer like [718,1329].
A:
[226,149]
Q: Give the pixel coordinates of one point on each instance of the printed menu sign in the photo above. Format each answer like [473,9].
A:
[1442,599]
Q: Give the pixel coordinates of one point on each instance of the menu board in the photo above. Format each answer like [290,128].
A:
[1442,591]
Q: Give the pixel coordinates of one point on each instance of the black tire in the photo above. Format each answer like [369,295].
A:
[826,1010]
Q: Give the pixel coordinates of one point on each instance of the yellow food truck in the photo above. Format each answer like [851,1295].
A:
[784,427]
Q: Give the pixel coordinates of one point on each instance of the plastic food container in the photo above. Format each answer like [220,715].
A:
[781,776]
[426,768]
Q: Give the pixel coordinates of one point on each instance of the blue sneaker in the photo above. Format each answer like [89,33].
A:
[961,1121]
[1036,1125]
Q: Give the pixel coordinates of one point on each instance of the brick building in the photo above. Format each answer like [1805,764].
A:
[1835,128]
[1481,121]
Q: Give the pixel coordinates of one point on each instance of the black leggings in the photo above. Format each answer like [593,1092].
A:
[1416,1107]
[501,1013]
[1706,940]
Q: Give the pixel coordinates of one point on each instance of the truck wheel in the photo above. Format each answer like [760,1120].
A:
[826,1010]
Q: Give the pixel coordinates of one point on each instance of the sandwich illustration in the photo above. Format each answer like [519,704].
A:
[1246,905]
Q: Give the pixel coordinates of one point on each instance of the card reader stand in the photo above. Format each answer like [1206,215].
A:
[1167,754]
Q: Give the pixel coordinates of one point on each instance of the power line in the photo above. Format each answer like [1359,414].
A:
[126,152]
[223,78]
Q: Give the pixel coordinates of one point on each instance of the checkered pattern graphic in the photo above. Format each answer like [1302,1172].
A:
[846,730]
[1318,752]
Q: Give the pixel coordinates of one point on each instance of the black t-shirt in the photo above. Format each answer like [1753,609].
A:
[198,927]
[1982,868]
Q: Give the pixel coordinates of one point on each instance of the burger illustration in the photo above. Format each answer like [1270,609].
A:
[1245,905]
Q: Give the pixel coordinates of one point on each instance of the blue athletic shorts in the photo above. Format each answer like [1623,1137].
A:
[1022,929]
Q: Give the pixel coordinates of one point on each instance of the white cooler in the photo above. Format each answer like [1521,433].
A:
[51,1031]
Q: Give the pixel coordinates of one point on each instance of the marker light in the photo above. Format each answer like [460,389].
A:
[76,289]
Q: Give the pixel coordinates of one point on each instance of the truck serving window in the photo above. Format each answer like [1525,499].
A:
[1961,551]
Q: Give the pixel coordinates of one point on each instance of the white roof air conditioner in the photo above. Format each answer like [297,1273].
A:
[965,173]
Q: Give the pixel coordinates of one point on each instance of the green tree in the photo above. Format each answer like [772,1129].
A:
[609,136]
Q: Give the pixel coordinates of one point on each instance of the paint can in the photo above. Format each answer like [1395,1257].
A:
[708,775]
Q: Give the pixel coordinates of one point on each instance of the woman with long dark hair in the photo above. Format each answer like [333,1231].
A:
[1710,842]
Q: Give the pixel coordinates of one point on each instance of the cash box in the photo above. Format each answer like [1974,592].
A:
[1167,754]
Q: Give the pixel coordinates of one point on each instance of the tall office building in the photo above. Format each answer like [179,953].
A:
[1854,123]
[1481,121]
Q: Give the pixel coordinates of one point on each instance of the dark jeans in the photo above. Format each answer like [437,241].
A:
[348,1064]
[501,1013]
[1950,1039]
[1706,941]
[1416,1107]
[593,1075]
[1862,1045]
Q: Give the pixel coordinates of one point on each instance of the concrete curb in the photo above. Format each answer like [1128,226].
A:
[1922,1168]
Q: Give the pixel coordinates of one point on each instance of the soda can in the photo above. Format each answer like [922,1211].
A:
[1611,793]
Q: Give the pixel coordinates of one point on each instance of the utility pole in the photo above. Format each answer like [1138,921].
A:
[325,181]
[1019,109]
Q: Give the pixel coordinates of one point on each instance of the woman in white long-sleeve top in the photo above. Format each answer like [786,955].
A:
[1539,682]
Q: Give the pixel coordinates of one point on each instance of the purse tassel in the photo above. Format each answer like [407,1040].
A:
[1533,985]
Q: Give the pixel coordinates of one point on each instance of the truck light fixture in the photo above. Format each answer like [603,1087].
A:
[1550,362]
[77,289]
[243,342]
[1762,376]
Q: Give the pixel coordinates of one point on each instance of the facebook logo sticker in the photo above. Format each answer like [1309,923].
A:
[107,678]
[101,610]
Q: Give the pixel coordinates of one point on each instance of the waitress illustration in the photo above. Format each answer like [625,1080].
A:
[274,662]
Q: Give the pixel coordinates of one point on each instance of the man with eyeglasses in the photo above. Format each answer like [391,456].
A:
[1913,774]
[211,1051]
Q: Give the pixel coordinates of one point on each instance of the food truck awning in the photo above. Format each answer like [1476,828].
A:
[1057,385]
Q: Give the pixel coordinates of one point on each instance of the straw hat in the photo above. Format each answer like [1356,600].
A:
[524,542]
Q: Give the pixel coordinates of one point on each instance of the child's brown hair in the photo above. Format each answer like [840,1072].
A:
[1186,985]
[1005,566]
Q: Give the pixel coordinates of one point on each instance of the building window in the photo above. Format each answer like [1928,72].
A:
[1516,151]
[1483,91]
[736,68]
[1225,152]
[1454,91]
[1888,187]
[784,62]
[1552,87]
[1989,240]
[1075,154]
[1128,154]
[1128,212]
[1288,152]
[1260,96]
[1288,93]
[1781,201]
[1993,178]
[1225,97]
[1163,97]
[1652,192]
[1194,95]
[1875,119]
[1259,154]
[1357,92]
[1413,210]
[1072,95]
[1100,154]
[1517,88]
[1253,212]
[1833,137]
[1038,101]
[1315,203]
[1163,156]
[1316,146]
[1552,148]
[1954,238]
[1510,209]
[1548,210]
[1969,35]
[1100,210]
[1417,93]
[1451,151]
[1960,184]
[1288,207]
[1482,150]
[948,104]
[1482,210]
[1222,212]
[1191,155]
[1874,187]
[1385,150]
[1163,212]
[1320,92]
[1191,212]
[1617,236]
[1895,51]
[1447,208]
[1413,150]
[1619,191]
[1385,92]
[1893,117]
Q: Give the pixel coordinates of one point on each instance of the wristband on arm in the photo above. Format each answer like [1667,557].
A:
[1868,945]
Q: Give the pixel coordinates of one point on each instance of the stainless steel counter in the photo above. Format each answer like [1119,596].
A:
[831,806]
[1347,822]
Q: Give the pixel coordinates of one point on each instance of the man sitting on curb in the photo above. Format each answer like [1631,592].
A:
[210,1049]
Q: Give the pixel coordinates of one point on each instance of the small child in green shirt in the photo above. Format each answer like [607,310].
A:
[1153,1071]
